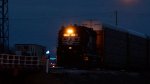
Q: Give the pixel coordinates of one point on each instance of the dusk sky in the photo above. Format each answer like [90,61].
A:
[38,21]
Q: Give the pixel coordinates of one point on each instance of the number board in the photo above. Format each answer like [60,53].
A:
[70,40]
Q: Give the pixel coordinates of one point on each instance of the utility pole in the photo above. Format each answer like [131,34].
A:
[91,23]
[4,27]
[116,18]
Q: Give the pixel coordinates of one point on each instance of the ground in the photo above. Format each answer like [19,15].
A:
[78,77]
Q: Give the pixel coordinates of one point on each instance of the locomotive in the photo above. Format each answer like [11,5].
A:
[76,47]
[106,47]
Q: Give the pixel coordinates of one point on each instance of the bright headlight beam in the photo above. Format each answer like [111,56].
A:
[69,31]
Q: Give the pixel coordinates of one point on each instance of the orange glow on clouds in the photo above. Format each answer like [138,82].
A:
[130,2]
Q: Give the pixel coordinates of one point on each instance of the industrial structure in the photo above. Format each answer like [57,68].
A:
[4,27]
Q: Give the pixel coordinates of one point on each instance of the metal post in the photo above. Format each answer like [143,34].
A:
[147,52]
[128,52]
[116,18]
[47,65]
[4,27]
[47,60]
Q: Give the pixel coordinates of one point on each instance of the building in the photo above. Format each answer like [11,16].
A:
[30,50]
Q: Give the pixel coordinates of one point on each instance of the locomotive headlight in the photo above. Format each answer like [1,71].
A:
[70,31]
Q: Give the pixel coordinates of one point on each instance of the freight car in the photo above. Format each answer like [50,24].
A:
[122,49]
[106,47]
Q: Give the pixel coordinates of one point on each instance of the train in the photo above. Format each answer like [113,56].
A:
[107,47]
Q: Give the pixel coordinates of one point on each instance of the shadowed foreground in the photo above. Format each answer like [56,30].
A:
[101,77]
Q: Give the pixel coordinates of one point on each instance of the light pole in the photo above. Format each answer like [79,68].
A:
[47,60]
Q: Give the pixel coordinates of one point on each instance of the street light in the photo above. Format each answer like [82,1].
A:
[47,60]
